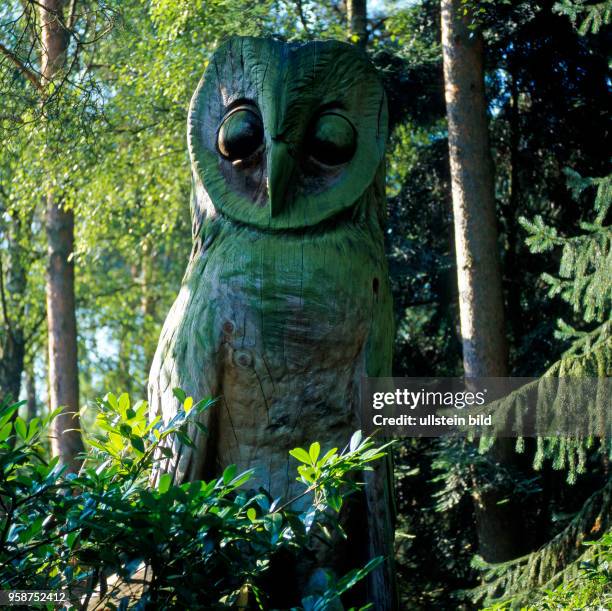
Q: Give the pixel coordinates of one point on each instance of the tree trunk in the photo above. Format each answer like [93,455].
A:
[356,11]
[512,269]
[12,350]
[478,267]
[148,304]
[30,386]
[61,319]
[11,365]
[13,281]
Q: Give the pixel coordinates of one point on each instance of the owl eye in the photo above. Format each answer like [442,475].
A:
[333,140]
[241,134]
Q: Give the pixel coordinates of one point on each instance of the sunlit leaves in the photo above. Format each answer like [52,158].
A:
[301,455]
[21,427]
[328,477]
[165,481]
[109,517]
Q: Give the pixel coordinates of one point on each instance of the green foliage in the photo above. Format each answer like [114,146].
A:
[112,145]
[590,588]
[588,18]
[326,476]
[583,281]
[205,544]
[539,124]
[593,586]
[585,269]
[461,468]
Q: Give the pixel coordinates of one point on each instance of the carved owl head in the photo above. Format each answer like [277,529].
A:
[285,135]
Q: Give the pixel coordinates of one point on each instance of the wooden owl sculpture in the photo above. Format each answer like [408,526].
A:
[285,305]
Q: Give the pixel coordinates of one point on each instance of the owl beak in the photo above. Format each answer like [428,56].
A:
[281,169]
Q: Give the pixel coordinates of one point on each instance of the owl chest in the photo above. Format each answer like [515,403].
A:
[278,330]
[287,307]
[287,326]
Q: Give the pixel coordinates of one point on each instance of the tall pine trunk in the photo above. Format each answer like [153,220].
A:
[61,319]
[478,267]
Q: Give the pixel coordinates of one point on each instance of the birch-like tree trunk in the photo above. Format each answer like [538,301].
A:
[61,318]
[478,267]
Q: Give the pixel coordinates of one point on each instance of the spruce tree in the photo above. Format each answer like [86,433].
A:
[583,281]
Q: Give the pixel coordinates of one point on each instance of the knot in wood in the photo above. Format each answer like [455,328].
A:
[243,358]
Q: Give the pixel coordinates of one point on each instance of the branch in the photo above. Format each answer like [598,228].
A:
[35,329]
[71,15]
[378,23]
[300,10]
[29,74]
[12,118]
[49,10]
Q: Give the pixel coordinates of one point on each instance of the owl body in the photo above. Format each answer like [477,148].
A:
[281,328]
[285,304]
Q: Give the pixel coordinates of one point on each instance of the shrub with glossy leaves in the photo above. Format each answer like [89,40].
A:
[112,540]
